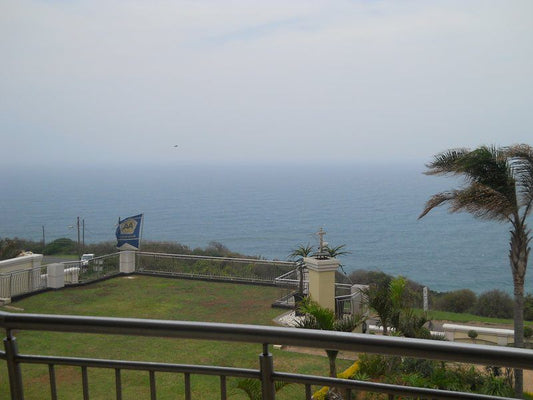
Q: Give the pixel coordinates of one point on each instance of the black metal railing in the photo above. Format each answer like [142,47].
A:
[261,335]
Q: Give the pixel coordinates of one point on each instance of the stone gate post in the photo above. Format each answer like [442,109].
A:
[322,280]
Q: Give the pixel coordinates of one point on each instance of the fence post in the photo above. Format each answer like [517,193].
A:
[266,366]
[127,261]
[56,276]
[13,367]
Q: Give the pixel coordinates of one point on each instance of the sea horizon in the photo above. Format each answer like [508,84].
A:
[268,210]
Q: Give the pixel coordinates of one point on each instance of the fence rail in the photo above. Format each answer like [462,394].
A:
[91,270]
[261,335]
[249,270]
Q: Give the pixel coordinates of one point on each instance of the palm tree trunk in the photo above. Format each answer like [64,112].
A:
[332,356]
[518,256]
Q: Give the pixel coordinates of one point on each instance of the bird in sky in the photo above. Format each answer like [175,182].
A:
[175,145]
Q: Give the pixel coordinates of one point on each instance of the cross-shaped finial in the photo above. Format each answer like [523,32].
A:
[321,234]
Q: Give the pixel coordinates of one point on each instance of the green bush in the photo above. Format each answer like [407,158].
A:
[61,246]
[495,304]
[8,249]
[459,301]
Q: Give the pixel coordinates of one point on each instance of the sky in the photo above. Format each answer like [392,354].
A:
[95,82]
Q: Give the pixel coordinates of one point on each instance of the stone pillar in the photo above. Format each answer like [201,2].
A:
[36,261]
[322,280]
[56,275]
[127,261]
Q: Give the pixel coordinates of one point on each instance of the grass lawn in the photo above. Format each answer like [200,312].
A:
[158,298]
[470,318]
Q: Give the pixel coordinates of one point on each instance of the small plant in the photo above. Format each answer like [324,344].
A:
[472,334]
[252,387]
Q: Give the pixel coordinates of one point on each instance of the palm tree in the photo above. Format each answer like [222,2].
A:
[317,317]
[389,300]
[499,186]
[298,255]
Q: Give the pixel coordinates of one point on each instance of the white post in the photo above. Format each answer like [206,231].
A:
[426,302]
[56,275]
[127,261]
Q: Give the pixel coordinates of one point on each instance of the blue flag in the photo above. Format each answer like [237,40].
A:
[128,232]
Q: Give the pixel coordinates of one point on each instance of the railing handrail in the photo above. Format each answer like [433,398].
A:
[90,261]
[21,271]
[200,257]
[470,353]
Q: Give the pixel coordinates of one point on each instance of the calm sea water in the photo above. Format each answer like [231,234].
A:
[268,211]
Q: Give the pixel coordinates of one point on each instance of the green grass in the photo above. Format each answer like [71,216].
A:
[158,298]
[466,318]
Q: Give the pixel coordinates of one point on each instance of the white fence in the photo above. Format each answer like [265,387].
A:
[20,282]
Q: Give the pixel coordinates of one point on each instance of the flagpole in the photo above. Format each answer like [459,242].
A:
[142,227]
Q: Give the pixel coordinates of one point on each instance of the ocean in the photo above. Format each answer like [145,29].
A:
[268,210]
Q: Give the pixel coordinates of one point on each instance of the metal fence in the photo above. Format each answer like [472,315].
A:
[91,270]
[24,281]
[263,336]
[248,270]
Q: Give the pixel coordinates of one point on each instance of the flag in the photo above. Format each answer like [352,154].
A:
[128,232]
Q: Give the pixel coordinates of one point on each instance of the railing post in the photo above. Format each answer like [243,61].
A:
[127,262]
[13,367]
[266,365]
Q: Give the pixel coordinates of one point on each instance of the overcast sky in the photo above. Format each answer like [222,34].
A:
[271,81]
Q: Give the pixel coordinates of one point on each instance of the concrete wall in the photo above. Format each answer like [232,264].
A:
[20,263]
[485,335]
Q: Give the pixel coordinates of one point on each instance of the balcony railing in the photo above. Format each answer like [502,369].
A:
[263,336]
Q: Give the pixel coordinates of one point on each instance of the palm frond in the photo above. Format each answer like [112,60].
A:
[348,323]
[337,251]
[521,160]
[436,200]
[446,162]
[489,166]
[252,387]
[483,202]
[490,192]
[301,251]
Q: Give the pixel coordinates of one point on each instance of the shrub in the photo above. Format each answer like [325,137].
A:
[60,246]
[458,301]
[495,304]
[472,334]
[8,249]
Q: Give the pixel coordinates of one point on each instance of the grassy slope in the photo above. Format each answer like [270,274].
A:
[159,298]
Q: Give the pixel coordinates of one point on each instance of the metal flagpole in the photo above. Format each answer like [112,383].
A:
[142,226]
